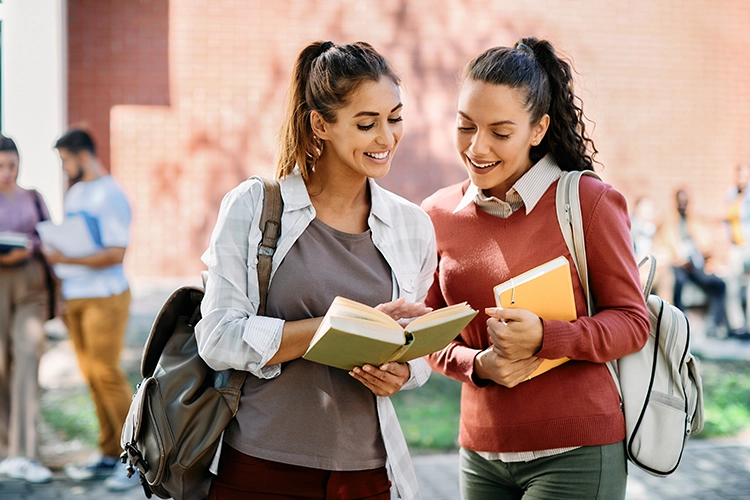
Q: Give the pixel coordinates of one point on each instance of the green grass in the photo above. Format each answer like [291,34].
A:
[70,414]
[429,414]
[726,397]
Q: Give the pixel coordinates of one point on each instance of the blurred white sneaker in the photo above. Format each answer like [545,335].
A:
[26,469]
[119,480]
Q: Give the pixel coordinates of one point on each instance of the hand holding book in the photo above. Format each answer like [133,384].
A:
[384,380]
[354,334]
[517,333]
[543,292]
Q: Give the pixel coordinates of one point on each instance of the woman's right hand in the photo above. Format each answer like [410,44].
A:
[491,365]
[15,256]
[403,311]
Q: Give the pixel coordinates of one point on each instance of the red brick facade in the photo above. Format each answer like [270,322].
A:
[188,94]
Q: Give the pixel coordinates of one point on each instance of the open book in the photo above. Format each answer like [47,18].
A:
[10,240]
[353,334]
[547,291]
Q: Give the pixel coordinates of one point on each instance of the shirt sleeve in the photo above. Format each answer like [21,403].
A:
[230,334]
[620,325]
[114,220]
[420,370]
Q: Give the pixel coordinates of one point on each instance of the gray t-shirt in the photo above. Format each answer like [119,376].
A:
[313,415]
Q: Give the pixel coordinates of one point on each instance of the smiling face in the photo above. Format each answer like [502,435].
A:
[494,135]
[366,132]
[8,170]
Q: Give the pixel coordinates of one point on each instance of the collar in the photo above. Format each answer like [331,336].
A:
[530,187]
[295,196]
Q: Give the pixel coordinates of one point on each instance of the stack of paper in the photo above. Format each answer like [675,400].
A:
[72,238]
[10,240]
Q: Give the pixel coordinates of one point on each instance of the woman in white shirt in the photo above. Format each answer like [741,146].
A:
[302,427]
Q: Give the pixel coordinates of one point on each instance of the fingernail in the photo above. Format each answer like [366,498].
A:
[367,368]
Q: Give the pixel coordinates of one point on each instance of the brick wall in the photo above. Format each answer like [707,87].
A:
[666,83]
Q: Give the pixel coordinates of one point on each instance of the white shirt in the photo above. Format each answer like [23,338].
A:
[231,335]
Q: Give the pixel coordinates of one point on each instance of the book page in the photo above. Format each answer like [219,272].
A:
[12,238]
[434,335]
[439,315]
[348,308]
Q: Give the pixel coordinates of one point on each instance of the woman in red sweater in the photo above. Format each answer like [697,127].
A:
[558,435]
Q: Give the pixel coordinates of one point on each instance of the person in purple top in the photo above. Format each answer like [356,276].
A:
[23,309]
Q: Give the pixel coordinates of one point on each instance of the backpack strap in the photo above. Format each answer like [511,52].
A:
[570,217]
[49,275]
[270,225]
[651,274]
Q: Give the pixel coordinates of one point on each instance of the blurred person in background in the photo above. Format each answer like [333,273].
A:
[684,241]
[24,307]
[738,224]
[643,227]
[97,301]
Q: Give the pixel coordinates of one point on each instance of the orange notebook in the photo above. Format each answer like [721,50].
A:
[547,291]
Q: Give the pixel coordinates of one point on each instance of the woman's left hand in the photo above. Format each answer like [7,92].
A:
[384,381]
[515,333]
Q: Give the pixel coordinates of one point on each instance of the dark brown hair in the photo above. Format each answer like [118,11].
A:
[7,144]
[75,141]
[324,77]
[534,68]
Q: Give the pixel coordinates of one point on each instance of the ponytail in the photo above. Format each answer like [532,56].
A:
[324,76]
[534,67]
[296,140]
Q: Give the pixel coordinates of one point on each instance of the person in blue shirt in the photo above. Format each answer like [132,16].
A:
[97,299]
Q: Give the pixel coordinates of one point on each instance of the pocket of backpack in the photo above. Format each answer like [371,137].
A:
[660,429]
[694,396]
[150,437]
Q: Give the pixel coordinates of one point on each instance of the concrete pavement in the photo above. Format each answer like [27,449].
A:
[716,469]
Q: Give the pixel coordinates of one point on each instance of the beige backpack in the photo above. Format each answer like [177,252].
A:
[661,392]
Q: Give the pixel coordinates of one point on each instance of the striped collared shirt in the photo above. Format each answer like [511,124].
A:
[231,335]
[527,191]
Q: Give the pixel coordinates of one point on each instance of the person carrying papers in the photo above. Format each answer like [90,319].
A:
[556,434]
[95,234]
[24,305]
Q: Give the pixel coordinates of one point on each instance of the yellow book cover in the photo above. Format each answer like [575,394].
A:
[547,291]
[353,334]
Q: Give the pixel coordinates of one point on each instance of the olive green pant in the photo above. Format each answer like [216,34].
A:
[586,473]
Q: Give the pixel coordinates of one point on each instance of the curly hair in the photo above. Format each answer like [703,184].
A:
[547,81]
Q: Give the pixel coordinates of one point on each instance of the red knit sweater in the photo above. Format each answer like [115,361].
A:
[575,404]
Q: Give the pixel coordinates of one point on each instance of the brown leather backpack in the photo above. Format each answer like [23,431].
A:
[182,406]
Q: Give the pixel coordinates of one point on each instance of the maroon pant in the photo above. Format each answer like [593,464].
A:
[243,477]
